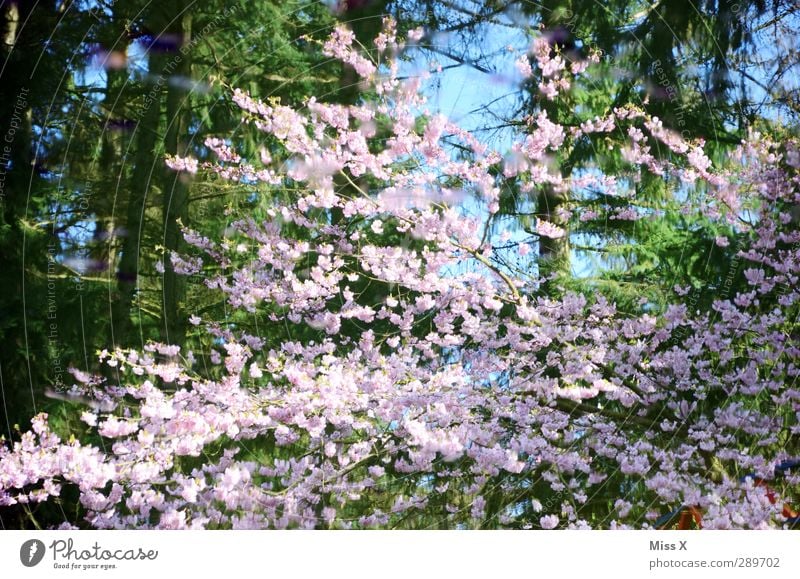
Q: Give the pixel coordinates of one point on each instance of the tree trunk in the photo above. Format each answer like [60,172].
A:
[23,355]
[553,253]
[145,137]
[170,24]
[176,195]
[552,250]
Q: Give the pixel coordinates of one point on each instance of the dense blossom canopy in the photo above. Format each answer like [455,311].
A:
[460,396]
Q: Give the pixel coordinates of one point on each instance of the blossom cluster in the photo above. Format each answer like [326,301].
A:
[439,388]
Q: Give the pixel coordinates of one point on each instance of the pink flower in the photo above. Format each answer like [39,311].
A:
[548,522]
[339,45]
[416,34]
[172,520]
[524,66]
[255,371]
[112,427]
[478,509]
[186,164]
[456,374]
[89,418]
[547,229]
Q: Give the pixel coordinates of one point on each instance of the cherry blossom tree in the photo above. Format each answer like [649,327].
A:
[411,375]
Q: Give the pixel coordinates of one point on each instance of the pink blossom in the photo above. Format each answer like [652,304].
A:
[547,229]
[548,522]
[375,380]
[524,66]
[112,427]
